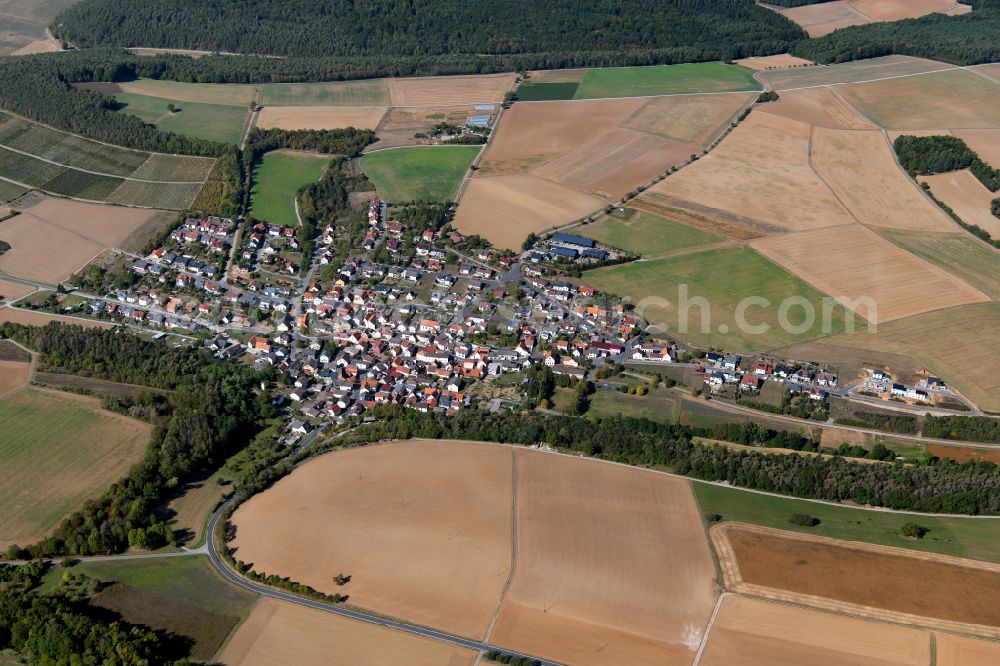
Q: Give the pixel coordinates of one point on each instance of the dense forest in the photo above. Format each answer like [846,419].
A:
[213,405]
[963,40]
[429,27]
[940,486]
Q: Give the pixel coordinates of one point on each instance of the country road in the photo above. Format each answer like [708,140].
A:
[335,609]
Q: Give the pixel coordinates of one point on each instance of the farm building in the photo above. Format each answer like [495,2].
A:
[567,239]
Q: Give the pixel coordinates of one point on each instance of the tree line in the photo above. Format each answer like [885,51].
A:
[963,428]
[968,39]
[940,486]
[213,406]
[404,28]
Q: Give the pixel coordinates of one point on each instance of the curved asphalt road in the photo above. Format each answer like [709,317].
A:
[237,579]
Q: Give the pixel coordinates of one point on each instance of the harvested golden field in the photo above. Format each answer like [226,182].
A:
[694,119]
[986,142]
[449,90]
[13,375]
[422,527]
[399,125]
[854,264]
[954,344]
[583,597]
[320,117]
[931,590]
[58,450]
[208,93]
[37,46]
[54,238]
[11,291]
[761,172]
[850,72]
[753,632]
[505,209]
[816,106]
[964,194]
[955,650]
[279,632]
[960,254]
[824,18]
[780,61]
[953,98]
[860,167]
[31,318]
[557,75]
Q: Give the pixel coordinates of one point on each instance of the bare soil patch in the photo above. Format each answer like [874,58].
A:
[964,453]
[964,194]
[442,90]
[11,291]
[505,209]
[580,595]
[422,527]
[955,650]
[876,581]
[760,171]
[852,263]
[780,61]
[753,632]
[817,106]
[860,167]
[54,238]
[320,117]
[279,632]
[13,375]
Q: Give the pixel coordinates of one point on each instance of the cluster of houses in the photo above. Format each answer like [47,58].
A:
[721,369]
[882,383]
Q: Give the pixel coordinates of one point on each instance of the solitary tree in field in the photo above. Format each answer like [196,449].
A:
[914,530]
[171,108]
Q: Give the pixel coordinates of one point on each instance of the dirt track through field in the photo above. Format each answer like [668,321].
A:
[923,589]
[278,632]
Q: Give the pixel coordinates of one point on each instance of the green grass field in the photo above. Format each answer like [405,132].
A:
[962,537]
[276,181]
[216,122]
[409,174]
[538,92]
[703,77]
[370,92]
[184,596]
[646,234]
[56,451]
[723,277]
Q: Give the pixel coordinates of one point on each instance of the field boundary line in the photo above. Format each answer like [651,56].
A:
[708,628]
[610,99]
[101,173]
[513,543]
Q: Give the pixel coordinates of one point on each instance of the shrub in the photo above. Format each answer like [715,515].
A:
[914,530]
[803,520]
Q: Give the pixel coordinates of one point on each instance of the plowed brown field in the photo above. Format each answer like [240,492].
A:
[859,166]
[963,193]
[853,262]
[423,529]
[505,209]
[320,117]
[761,171]
[55,238]
[279,632]
[582,596]
[817,106]
[752,632]
[875,581]
[442,90]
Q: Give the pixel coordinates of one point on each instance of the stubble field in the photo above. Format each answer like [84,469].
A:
[425,529]
[58,449]
[760,172]
[753,632]
[825,17]
[851,72]
[11,291]
[853,263]
[13,375]
[31,318]
[816,106]
[964,194]
[282,632]
[967,258]
[320,117]
[54,238]
[986,142]
[934,591]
